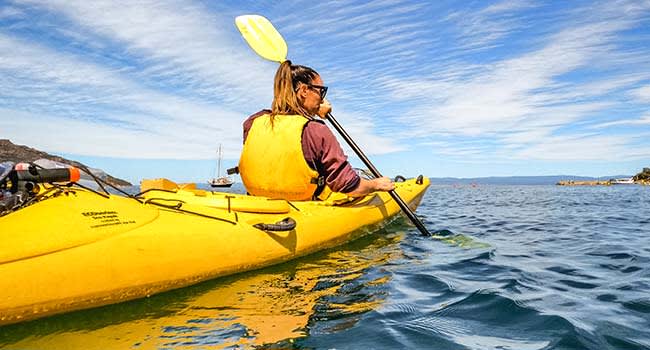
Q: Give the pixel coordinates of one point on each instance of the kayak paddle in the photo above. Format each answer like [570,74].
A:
[267,42]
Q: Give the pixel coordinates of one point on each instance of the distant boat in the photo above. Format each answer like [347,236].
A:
[626,181]
[218,180]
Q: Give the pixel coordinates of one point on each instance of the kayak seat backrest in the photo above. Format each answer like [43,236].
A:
[164,184]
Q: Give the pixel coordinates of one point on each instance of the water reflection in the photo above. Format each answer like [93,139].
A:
[247,310]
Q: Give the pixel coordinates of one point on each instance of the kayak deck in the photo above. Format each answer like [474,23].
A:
[78,250]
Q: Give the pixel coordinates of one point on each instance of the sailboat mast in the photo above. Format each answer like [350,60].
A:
[219,162]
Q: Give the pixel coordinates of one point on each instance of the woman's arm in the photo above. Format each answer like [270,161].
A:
[324,153]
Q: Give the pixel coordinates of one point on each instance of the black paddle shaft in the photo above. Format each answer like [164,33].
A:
[409,213]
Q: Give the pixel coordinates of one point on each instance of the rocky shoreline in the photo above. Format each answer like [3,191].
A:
[19,153]
[598,183]
[642,178]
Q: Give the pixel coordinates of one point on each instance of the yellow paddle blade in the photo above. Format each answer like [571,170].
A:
[262,37]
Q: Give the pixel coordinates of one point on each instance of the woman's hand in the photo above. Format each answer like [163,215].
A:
[324,109]
[383,184]
[367,186]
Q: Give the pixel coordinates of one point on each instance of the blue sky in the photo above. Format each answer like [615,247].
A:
[466,88]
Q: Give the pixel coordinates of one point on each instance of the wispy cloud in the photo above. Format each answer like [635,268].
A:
[507,90]
[642,94]
[484,27]
[524,100]
[68,92]
[645,120]
[579,147]
[9,12]
[177,42]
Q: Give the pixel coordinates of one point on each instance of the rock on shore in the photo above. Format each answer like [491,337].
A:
[19,153]
[643,176]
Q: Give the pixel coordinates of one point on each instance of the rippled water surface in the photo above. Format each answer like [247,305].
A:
[511,267]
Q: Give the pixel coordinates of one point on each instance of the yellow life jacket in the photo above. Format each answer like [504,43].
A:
[272,163]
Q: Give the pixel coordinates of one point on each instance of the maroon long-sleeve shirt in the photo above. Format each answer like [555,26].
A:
[323,153]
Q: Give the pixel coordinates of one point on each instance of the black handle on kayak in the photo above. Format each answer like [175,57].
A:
[286,224]
[409,213]
[47,175]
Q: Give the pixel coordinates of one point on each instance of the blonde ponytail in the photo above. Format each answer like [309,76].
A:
[287,77]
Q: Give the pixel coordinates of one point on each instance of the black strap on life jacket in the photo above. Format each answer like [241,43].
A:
[320,186]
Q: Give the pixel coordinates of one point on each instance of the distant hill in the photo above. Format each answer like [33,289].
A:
[18,153]
[518,180]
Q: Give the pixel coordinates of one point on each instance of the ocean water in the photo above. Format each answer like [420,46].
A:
[510,267]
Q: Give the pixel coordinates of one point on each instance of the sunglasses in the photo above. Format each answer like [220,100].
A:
[322,90]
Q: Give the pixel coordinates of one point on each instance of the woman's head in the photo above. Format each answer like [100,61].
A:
[297,90]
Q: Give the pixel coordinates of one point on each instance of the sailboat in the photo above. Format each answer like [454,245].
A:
[218,180]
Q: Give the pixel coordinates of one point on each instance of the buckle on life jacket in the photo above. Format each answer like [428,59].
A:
[318,181]
[320,186]
[234,170]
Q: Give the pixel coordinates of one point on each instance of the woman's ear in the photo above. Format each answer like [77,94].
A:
[301,93]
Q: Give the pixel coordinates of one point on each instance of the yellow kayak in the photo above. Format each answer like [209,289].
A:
[76,249]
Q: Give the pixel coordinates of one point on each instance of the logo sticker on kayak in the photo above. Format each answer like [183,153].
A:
[106,218]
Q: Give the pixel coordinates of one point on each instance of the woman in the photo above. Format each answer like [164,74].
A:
[290,155]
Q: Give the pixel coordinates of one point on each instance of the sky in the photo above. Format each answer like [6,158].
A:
[147,89]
